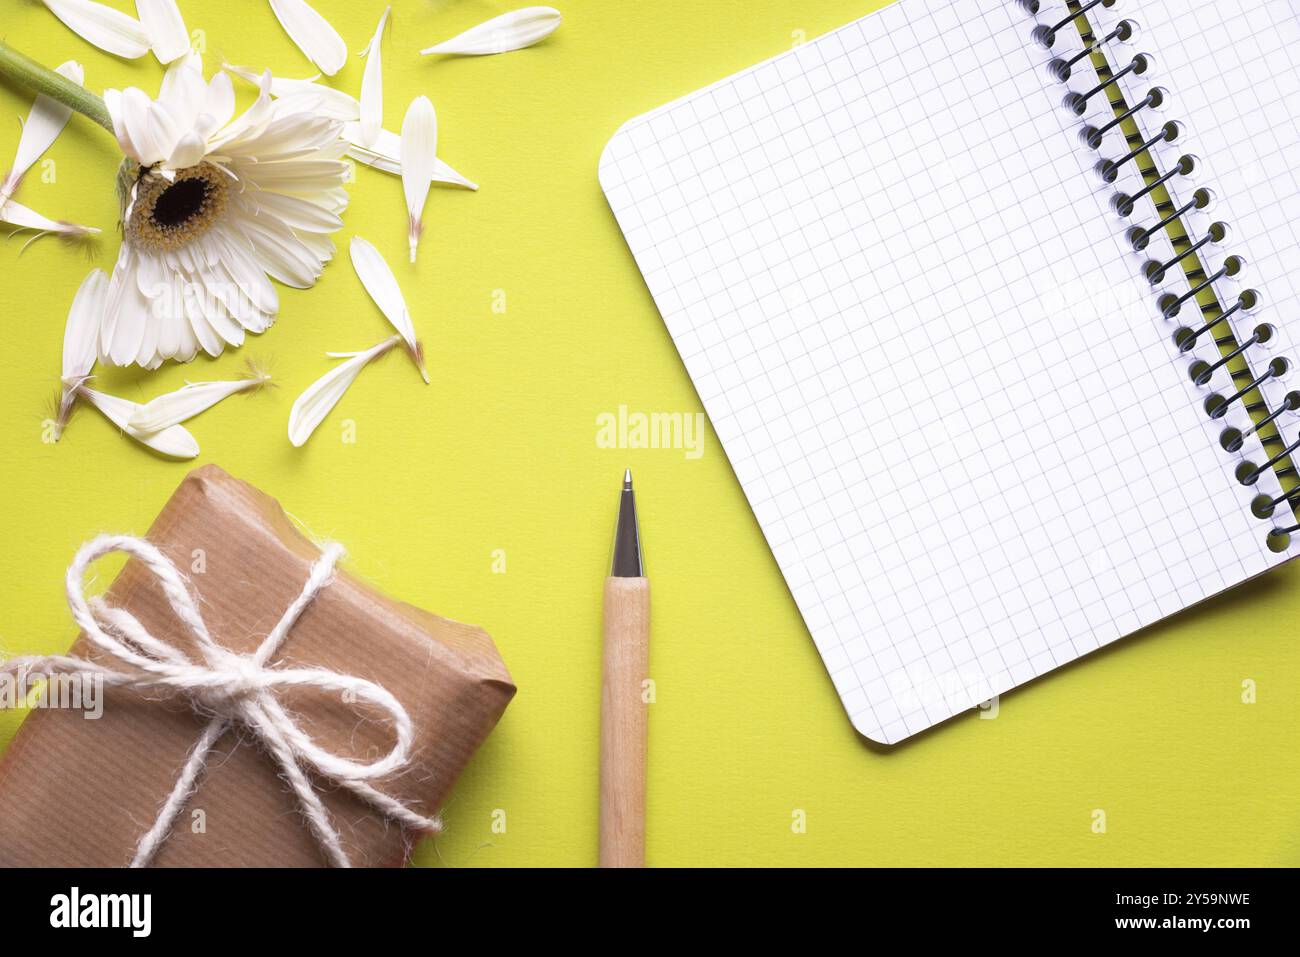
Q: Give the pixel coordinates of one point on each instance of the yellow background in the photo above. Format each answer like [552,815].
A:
[500,453]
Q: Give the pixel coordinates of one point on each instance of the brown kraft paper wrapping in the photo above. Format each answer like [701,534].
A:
[77,792]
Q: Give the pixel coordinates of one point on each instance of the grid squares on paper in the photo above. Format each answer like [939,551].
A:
[1134,89]
[905,310]
[1243,121]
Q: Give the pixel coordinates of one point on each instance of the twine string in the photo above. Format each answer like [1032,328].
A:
[232,688]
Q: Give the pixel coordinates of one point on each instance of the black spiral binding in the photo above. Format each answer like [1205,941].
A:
[1186,339]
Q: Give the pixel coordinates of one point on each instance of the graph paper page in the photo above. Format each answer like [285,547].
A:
[904,305]
[1233,70]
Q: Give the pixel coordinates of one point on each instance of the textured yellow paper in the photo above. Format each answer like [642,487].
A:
[497,465]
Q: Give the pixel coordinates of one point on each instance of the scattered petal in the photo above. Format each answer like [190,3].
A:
[386,154]
[175,442]
[16,214]
[372,86]
[43,126]
[419,156]
[382,286]
[106,28]
[188,401]
[510,31]
[80,342]
[322,395]
[81,335]
[312,33]
[162,22]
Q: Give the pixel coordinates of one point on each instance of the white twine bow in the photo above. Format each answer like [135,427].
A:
[232,688]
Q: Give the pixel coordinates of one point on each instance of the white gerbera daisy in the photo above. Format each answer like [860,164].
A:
[213,205]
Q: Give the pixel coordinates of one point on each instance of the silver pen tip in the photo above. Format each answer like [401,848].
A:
[627,562]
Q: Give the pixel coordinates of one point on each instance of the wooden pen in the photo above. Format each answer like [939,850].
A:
[622,702]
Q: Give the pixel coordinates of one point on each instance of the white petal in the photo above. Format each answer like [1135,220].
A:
[113,102]
[288,136]
[126,317]
[103,26]
[162,22]
[166,127]
[185,344]
[198,306]
[218,101]
[419,155]
[81,335]
[386,154]
[383,154]
[136,109]
[321,246]
[322,100]
[238,261]
[312,33]
[185,403]
[223,323]
[17,214]
[147,354]
[183,89]
[43,126]
[240,309]
[168,327]
[296,176]
[73,70]
[175,441]
[188,151]
[300,215]
[510,31]
[322,395]
[281,253]
[251,123]
[372,86]
[168,315]
[374,273]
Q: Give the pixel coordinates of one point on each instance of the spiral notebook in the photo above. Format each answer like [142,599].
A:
[987,303]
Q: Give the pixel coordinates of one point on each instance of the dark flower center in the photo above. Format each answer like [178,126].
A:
[180,202]
[168,214]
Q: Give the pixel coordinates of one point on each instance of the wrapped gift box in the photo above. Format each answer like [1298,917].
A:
[78,792]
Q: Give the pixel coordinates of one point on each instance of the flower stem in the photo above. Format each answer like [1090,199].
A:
[28,73]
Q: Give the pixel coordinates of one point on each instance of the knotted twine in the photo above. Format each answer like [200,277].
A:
[231,688]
